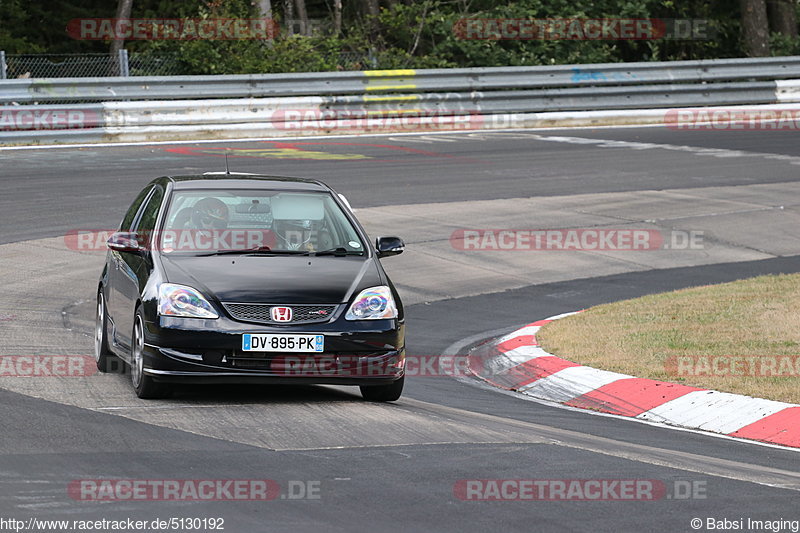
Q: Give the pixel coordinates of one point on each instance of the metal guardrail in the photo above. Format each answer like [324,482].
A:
[150,108]
[396,81]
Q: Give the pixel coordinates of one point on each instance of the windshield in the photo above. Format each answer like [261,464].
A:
[202,221]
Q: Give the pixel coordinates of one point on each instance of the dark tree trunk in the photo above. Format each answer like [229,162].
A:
[288,15]
[372,7]
[337,17]
[782,17]
[265,9]
[302,16]
[372,10]
[123,12]
[755,28]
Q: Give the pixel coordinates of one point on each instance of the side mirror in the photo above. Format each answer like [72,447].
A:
[388,246]
[124,241]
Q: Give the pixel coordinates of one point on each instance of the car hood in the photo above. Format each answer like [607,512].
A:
[274,279]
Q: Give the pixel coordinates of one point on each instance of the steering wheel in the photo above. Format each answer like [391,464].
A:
[210,213]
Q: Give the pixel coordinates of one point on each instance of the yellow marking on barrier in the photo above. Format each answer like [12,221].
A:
[405,97]
[389,73]
[387,80]
[390,87]
[393,111]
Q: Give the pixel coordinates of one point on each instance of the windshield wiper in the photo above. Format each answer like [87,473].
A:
[339,252]
[259,250]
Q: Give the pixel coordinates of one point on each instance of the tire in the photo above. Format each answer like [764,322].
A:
[383,393]
[144,386]
[102,354]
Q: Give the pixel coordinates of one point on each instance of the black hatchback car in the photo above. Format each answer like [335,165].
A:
[249,279]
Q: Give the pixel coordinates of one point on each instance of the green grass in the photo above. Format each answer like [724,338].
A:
[755,318]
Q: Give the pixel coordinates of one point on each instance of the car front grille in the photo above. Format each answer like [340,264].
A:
[286,364]
[261,313]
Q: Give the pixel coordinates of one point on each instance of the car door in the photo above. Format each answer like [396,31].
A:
[115,302]
[135,267]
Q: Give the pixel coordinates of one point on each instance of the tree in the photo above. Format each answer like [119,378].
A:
[302,16]
[123,12]
[372,10]
[372,7]
[755,28]
[265,8]
[337,17]
[288,15]
[782,17]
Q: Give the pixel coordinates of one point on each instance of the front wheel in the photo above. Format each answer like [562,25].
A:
[102,354]
[383,393]
[144,385]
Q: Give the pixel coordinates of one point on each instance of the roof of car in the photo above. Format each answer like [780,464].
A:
[246,181]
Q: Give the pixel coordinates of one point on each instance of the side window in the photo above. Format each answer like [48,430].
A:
[334,228]
[147,220]
[127,221]
[345,233]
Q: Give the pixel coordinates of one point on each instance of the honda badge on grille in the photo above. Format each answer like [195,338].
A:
[281,314]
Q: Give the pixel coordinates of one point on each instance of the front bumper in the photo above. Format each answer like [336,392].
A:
[209,351]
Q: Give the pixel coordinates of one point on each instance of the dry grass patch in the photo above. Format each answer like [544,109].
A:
[737,328]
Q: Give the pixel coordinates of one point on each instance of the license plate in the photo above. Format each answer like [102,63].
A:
[258,342]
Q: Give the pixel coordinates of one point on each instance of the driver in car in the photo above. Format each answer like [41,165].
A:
[306,235]
[210,213]
[205,217]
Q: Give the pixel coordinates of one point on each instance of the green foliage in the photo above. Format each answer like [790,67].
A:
[406,34]
[782,45]
[287,53]
[30,27]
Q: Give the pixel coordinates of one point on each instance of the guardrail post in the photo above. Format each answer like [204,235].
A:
[124,67]
[3,70]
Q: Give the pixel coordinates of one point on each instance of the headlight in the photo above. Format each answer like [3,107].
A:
[373,304]
[183,301]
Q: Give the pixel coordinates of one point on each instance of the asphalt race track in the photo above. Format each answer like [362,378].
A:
[398,467]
